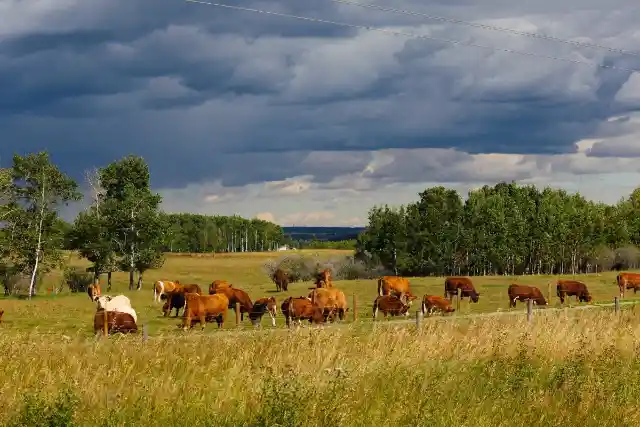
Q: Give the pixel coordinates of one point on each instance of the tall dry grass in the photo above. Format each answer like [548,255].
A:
[561,370]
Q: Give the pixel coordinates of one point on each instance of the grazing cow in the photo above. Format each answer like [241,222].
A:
[394,285]
[628,281]
[117,322]
[94,291]
[301,308]
[391,304]
[119,303]
[461,285]
[163,286]
[235,295]
[523,293]
[262,306]
[203,308]
[281,279]
[176,301]
[571,288]
[323,279]
[330,299]
[431,303]
[218,284]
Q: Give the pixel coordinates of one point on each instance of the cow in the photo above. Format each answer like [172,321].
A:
[119,303]
[628,281]
[394,285]
[301,308]
[462,286]
[218,284]
[178,292]
[262,306]
[391,304]
[94,291]
[116,322]
[323,279]
[431,303]
[281,279]
[203,308]
[523,293]
[162,286]
[330,299]
[176,301]
[193,288]
[571,288]
[235,295]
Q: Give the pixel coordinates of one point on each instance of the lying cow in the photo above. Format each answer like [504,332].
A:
[332,299]
[116,321]
[234,295]
[118,303]
[523,293]
[205,308]
[94,291]
[301,308]
[262,306]
[163,286]
[460,286]
[177,301]
[572,288]
[392,305]
[432,303]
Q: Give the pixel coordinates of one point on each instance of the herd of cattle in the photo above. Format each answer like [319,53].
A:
[325,302]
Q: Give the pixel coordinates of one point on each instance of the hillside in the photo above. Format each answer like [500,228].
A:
[322,233]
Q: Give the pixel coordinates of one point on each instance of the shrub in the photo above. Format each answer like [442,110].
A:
[77,279]
[304,268]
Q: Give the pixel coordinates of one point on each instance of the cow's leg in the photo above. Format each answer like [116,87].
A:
[187,319]
[273,319]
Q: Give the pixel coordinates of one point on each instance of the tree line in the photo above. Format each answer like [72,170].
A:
[504,229]
[123,228]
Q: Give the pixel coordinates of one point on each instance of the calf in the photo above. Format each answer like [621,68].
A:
[391,304]
[523,293]
[628,281]
[116,322]
[262,306]
[301,308]
[94,291]
[460,286]
[235,295]
[281,279]
[177,301]
[571,288]
[203,308]
[431,303]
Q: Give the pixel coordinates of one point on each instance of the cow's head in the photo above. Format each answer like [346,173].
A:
[586,297]
[541,301]
[102,301]
[475,296]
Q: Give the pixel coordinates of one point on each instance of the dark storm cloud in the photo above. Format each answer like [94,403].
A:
[208,94]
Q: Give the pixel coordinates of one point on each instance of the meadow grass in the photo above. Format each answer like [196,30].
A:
[566,368]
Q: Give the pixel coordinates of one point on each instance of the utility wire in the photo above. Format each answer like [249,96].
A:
[413,35]
[486,27]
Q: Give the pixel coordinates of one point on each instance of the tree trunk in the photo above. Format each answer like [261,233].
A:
[109,281]
[32,284]
[139,280]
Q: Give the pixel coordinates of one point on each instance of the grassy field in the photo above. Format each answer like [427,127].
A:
[566,368]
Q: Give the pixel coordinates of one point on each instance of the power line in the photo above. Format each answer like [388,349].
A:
[486,27]
[413,35]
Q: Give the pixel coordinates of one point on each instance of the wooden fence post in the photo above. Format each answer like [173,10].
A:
[457,302]
[145,333]
[529,310]
[616,303]
[105,322]
[355,308]
[418,318]
[237,314]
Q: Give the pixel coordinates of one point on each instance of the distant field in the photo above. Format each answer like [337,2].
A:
[73,313]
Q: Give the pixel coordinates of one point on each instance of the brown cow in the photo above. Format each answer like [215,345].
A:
[572,287]
[391,304]
[331,300]
[323,279]
[262,306]
[628,281]
[94,291]
[281,279]
[523,293]
[301,308]
[161,287]
[218,284]
[116,321]
[394,285]
[462,286]
[431,303]
[203,308]
[179,291]
[235,295]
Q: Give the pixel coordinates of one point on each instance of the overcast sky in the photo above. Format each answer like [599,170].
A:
[312,124]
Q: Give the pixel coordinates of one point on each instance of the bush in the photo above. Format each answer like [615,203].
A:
[77,279]
[304,268]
